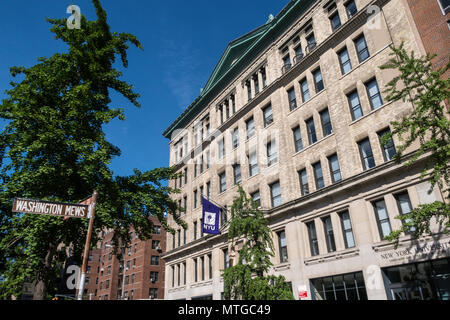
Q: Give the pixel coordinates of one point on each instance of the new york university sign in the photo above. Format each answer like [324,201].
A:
[426,250]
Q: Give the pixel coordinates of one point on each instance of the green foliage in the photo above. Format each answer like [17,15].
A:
[247,280]
[54,148]
[429,123]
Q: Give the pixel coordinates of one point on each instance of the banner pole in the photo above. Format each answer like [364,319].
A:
[87,246]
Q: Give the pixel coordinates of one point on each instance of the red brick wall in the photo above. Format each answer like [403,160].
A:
[433,29]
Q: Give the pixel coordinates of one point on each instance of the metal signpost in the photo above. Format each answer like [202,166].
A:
[85,209]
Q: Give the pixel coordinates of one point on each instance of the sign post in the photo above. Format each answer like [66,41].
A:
[93,203]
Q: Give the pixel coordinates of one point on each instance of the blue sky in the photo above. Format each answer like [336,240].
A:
[183,41]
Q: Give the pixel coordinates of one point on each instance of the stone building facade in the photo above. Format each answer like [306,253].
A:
[294,112]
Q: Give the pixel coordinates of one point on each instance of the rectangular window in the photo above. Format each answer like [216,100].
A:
[282,245]
[373,92]
[335,170]
[223,216]
[311,129]
[235,138]
[195,230]
[298,53]
[365,151]
[445,6]
[195,270]
[318,80]
[202,267]
[264,77]
[292,99]
[195,199]
[226,259]
[208,189]
[350,287]
[153,293]
[221,145]
[389,148]
[179,237]
[275,193]
[250,124]
[305,90]
[268,116]
[318,175]
[351,9]
[361,48]
[154,261]
[298,143]
[249,90]
[237,173]
[335,21]
[329,234]
[381,213]
[355,105]
[304,186]
[210,271]
[256,198]
[327,128]
[272,153]
[344,59]
[286,63]
[347,230]
[184,273]
[313,242]
[222,182]
[311,40]
[185,175]
[253,163]
[404,206]
[154,275]
[256,83]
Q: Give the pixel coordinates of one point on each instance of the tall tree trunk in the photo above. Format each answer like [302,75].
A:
[40,290]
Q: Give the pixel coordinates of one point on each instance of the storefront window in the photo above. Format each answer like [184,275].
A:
[428,280]
[342,287]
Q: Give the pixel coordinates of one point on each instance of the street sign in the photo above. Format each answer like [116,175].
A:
[50,208]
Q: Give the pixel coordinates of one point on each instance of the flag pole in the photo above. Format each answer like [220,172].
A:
[87,245]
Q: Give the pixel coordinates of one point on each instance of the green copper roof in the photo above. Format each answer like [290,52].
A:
[237,56]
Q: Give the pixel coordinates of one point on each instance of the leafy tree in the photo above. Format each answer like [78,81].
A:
[247,280]
[54,148]
[429,123]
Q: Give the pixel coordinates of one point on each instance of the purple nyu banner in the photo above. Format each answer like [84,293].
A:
[211,216]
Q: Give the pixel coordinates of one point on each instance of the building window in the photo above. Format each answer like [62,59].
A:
[382,216]
[153,293]
[253,163]
[156,244]
[237,173]
[264,77]
[268,115]
[313,242]
[365,151]
[445,6]
[318,80]
[275,194]
[249,90]
[179,237]
[223,216]
[185,176]
[374,94]
[272,153]
[235,138]
[222,182]
[286,63]
[154,261]
[311,129]
[195,230]
[292,99]
[335,170]
[329,234]
[335,21]
[305,90]
[184,273]
[226,259]
[250,124]
[298,143]
[404,207]
[318,175]
[256,83]
[154,275]
[195,199]
[195,270]
[256,198]
[351,8]
[343,287]
[304,186]
[327,128]
[347,230]
[221,145]
[389,148]
[208,189]
[355,105]
[344,59]
[210,271]
[361,48]
[282,246]
[311,41]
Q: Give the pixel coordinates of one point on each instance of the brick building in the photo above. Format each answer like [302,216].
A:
[143,277]
[294,112]
[432,19]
